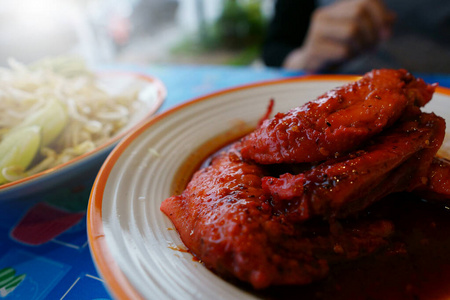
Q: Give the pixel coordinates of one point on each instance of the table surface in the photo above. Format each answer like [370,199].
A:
[58,264]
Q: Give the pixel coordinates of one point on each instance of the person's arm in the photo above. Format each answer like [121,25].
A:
[336,33]
[339,32]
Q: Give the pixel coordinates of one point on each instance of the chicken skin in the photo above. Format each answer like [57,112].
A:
[397,160]
[437,187]
[337,121]
[226,219]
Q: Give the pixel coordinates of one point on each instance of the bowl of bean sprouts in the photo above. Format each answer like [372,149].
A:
[59,120]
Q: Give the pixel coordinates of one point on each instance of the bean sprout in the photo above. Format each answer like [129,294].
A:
[94,115]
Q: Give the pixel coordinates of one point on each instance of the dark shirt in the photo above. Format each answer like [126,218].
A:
[287,29]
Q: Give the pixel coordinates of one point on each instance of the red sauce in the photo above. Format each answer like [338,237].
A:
[416,265]
[197,157]
[418,270]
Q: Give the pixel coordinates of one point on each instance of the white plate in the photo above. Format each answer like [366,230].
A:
[132,242]
[152,94]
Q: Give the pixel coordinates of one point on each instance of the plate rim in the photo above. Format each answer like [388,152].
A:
[161,96]
[115,280]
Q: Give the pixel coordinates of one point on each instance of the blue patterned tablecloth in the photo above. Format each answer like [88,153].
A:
[44,251]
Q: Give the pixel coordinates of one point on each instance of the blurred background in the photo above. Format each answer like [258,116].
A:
[135,31]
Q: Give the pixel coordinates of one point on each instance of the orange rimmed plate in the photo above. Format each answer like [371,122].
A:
[133,244]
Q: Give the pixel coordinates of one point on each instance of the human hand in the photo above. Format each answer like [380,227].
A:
[341,31]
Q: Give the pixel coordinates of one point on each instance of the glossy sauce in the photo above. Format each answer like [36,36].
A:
[198,157]
[415,266]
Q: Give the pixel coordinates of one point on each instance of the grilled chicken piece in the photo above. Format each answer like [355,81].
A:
[397,160]
[437,187]
[226,220]
[337,121]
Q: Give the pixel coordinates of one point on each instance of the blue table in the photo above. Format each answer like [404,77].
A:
[62,268]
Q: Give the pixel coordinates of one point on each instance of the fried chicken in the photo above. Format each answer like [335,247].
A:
[397,160]
[337,121]
[226,219]
[437,187]
[286,202]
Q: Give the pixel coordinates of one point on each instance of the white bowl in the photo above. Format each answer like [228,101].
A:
[132,242]
[84,168]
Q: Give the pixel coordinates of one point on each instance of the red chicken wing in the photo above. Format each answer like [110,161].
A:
[337,121]
[437,187]
[226,219]
[397,160]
